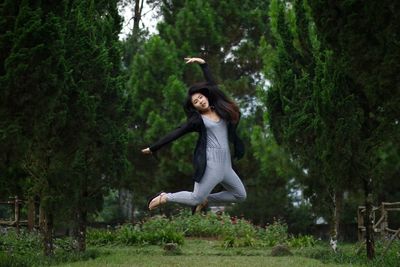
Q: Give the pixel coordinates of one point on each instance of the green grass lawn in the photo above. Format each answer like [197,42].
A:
[196,253]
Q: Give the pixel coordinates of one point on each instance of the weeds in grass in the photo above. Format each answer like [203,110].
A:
[25,249]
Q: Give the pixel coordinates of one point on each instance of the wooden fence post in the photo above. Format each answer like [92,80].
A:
[16,213]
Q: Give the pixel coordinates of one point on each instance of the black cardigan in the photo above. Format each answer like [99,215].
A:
[195,124]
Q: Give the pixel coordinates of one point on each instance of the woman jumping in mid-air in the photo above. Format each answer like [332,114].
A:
[215,117]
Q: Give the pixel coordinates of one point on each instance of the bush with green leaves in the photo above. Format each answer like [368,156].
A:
[25,249]
[274,234]
[301,241]
[240,233]
[8,260]
[210,225]
[387,256]
[128,234]
[20,248]
[154,231]
[354,254]
[160,230]
[237,232]
[233,232]
[100,237]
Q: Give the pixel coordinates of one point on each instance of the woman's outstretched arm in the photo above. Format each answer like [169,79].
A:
[185,128]
[204,67]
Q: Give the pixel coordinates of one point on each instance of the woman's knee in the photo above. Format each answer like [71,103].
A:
[240,197]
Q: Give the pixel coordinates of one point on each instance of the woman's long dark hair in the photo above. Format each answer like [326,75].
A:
[223,106]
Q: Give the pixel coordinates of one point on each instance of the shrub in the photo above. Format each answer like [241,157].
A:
[7,260]
[349,254]
[155,231]
[100,237]
[239,233]
[160,230]
[232,241]
[25,249]
[128,235]
[23,243]
[302,241]
[210,225]
[273,234]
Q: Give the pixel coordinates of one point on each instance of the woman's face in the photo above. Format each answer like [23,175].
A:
[200,102]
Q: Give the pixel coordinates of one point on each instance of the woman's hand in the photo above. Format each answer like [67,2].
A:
[194,60]
[146,151]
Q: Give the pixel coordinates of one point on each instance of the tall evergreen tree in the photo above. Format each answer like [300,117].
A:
[324,108]
[96,126]
[12,141]
[63,103]
[362,37]
[32,80]
[313,114]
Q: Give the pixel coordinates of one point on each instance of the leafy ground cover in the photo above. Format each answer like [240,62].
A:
[200,240]
[197,253]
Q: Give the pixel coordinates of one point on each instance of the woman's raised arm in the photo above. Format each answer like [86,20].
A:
[204,67]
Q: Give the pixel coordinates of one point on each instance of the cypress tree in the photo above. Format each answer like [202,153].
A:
[12,143]
[96,126]
[32,81]
[312,112]
[63,108]
[361,36]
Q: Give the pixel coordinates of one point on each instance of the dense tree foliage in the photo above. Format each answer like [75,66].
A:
[317,85]
[326,108]
[63,108]
[363,37]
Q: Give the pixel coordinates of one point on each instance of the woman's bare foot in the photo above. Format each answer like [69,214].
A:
[157,201]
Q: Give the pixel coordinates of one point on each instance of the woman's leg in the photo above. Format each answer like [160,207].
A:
[235,191]
[212,176]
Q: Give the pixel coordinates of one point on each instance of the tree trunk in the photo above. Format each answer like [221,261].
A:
[138,15]
[81,214]
[338,211]
[368,220]
[46,228]
[337,200]
[81,229]
[125,198]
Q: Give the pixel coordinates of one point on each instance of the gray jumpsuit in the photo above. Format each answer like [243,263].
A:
[218,170]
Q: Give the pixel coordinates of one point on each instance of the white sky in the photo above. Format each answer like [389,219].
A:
[147,18]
